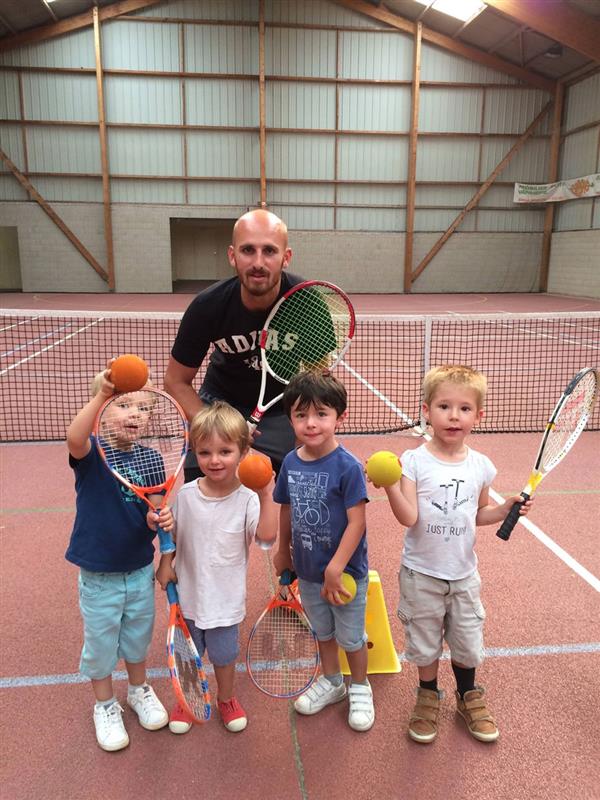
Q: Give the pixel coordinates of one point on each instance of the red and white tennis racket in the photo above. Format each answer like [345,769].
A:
[142,438]
[566,422]
[185,665]
[282,656]
[310,328]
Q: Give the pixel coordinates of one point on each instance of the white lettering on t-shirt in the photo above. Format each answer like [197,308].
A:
[223,346]
[241,344]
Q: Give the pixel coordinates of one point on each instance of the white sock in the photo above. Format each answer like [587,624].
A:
[131,689]
[105,703]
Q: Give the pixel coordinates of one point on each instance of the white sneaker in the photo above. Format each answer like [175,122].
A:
[322,693]
[151,712]
[362,714]
[110,731]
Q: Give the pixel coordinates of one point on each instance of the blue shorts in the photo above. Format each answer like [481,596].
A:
[222,644]
[118,618]
[344,623]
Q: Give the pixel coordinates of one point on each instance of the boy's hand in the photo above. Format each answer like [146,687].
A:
[107,388]
[164,519]
[333,589]
[282,561]
[525,507]
[166,573]
[266,493]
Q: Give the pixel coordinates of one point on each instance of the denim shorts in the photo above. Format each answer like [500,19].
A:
[433,609]
[118,618]
[222,643]
[345,624]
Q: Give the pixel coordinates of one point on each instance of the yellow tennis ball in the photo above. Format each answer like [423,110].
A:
[383,468]
[349,585]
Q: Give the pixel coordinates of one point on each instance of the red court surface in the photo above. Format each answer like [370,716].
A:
[541,672]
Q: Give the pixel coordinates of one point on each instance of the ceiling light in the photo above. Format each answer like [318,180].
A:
[555,51]
[459,9]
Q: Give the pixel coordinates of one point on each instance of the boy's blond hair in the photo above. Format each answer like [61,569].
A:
[457,374]
[222,419]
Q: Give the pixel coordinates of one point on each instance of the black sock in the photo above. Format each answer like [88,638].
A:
[465,679]
[432,685]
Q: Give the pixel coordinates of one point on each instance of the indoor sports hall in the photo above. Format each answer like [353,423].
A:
[439,161]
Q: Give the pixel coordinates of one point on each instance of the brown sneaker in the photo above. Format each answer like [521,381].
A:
[423,724]
[474,711]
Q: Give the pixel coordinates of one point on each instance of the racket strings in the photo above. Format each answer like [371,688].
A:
[193,682]
[308,331]
[282,655]
[143,436]
[570,421]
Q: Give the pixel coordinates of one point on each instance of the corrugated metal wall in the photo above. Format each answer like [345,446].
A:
[580,153]
[337,117]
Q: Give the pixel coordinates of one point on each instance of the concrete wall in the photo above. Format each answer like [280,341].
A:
[575,263]
[361,262]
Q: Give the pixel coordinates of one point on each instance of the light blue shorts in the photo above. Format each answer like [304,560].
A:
[118,618]
[344,623]
[222,643]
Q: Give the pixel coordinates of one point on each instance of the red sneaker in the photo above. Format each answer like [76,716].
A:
[232,714]
[179,720]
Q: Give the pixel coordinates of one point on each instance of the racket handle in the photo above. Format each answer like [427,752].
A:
[165,540]
[172,593]
[505,530]
[287,577]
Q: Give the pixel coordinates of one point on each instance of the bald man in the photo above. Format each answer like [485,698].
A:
[230,314]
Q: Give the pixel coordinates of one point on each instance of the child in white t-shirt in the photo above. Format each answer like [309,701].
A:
[216,520]
[443,495]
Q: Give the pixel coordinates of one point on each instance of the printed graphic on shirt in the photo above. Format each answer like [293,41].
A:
[447,500]
[310,512]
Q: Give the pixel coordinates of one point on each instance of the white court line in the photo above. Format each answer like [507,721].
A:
[50,346]
[26,681]
[537,532]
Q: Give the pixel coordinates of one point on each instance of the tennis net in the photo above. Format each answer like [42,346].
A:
[49,358]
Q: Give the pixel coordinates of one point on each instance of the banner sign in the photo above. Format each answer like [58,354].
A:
[571,189]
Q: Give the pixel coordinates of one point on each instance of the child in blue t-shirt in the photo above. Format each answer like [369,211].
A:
[111,543]
[323,495]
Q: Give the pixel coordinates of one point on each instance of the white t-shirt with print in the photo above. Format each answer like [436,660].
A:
[442,541]
[214,535]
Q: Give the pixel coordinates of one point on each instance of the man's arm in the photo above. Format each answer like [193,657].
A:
[178,383]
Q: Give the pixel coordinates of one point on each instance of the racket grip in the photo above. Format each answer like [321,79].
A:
[287,577]
[172,595]
[165,540]
[505,530]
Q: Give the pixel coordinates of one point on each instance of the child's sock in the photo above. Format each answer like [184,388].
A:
[465,679]
[132,689]
[431,685]
[336,679]
[106,703]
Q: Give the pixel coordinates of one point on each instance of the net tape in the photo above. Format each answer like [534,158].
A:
[49,358]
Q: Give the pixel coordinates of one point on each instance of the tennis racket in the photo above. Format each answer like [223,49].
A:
[282,656]
[185,665]
[142,437]
[564,426]
[310,328]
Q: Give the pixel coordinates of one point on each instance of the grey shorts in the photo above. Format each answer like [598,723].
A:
[222,643]
[432,609]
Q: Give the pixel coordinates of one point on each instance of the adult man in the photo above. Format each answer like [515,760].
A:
[230,315]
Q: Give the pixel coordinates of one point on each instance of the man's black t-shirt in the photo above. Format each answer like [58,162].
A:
[218,316]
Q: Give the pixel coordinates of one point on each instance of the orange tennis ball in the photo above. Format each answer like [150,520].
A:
[255,471]
[129,373]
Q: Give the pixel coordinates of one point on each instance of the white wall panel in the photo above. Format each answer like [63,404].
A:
[233,10]
[447,159]
[217,48]
[583,103]
[298,105]
[300,157]
[10,188]
[522,219]
[431,220]
[579,154]
[223,154]
[222,102]
[456,111]
[514,111]
[575,215]
[85,190]
[529,165]
[375,195]
[11,141]
[377,159]
[300,193]
[137,152]
[9,96]
[377,219]
[60,97]
[63,150]
[124,191]
[209,193]
[376,56]
[156,101]
[317,219]
[375,108]
[140,45]
[293,51]
[314,12]
[440,65]
[72,50]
